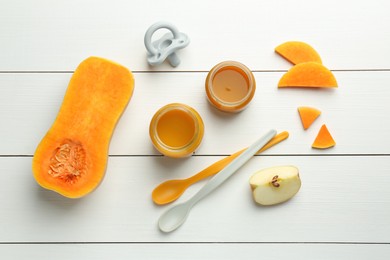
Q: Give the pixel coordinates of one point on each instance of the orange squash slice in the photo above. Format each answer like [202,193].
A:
[324,139]
[308,74]
[71,159]
[298,52]
[308,115]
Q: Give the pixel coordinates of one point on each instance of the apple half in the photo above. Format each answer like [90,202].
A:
[275,185]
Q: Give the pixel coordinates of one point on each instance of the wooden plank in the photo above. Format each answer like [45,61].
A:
[342,200]
[47,36]
[195,251]
[356,113]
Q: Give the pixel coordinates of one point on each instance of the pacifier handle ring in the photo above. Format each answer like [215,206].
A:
[152,29]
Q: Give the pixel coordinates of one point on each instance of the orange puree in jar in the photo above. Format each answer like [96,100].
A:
[176,130]
[230,86]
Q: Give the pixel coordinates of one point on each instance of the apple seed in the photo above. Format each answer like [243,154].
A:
[275,181]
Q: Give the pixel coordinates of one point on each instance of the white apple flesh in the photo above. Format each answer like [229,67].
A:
[275,185]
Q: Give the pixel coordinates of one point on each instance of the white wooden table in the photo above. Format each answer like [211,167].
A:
[343,208]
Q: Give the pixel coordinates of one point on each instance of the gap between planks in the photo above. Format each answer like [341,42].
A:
[196,242]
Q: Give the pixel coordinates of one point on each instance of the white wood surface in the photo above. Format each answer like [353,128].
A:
[197,251]
[343,208]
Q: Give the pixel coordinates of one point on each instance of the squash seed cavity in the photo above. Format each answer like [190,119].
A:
[68,162]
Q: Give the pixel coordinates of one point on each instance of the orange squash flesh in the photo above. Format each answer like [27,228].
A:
[308,74]
[71,159]
[298,52]
[308,115]
[324,139]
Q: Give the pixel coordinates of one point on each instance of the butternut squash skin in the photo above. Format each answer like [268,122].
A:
[71,159]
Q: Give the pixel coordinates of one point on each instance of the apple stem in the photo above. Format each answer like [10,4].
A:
[275,181]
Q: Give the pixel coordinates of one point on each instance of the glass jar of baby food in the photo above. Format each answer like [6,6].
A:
[176,130]
[230,86]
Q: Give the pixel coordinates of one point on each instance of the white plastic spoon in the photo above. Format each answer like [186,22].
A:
[175,216]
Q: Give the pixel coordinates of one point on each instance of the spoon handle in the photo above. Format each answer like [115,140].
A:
[223,175]
[219,165]
[175,216]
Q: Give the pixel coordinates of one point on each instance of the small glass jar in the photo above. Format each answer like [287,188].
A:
[176,130]
[230,86]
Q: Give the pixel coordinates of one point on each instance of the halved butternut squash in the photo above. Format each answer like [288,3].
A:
[71,159]
[324,139]
[308,74]
[308,115]
[298,52]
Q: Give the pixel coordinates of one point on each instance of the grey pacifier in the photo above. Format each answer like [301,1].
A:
[166,46]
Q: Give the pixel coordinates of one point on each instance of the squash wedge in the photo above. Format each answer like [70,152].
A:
[324,139]
[308,74]
[298,52]
[308,115]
